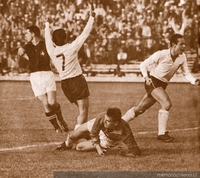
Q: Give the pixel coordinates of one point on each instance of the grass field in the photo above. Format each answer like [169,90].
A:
[27,140]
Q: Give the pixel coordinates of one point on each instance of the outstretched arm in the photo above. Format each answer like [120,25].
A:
[85,33]
[48,38]
[187,74]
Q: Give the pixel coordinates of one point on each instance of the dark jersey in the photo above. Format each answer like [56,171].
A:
[121,132]
[39,59]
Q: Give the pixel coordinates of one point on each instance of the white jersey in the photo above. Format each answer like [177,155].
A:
[65,58]
[161,66]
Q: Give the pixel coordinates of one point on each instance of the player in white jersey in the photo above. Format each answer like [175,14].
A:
[65,58]
[157,71]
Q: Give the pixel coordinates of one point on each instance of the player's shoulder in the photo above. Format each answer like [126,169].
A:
[123,122]
[163,51]
[101,116]
[42,43]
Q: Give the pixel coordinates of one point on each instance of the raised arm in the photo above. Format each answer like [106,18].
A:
[86,32]
[48,38]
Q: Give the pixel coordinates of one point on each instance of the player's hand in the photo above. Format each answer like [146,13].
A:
[197,82]
[21,51]
[148,80]
[100,150]
[92,13]
[46,19]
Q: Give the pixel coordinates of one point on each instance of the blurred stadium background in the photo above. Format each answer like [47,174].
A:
[135,27]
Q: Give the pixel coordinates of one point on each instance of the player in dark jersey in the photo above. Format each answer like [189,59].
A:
[41,77]
[107,130]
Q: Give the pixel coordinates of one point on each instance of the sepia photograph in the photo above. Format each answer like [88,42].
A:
[100,88]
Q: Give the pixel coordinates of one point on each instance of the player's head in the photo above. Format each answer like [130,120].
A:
[59,37]
[174,38]
[177,42]
[112,117]
[31,32]
[34,29]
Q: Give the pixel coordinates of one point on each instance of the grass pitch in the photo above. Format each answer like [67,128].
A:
[27,140]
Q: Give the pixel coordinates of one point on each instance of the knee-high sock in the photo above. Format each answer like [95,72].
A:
[51,116]
[58,113]
[163,116]
[60,118]
[129,115]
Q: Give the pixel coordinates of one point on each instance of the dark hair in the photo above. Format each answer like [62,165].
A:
[114,113]
[59,37]
[174,38]
[34,29]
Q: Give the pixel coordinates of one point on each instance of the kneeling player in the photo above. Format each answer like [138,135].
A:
[106,131]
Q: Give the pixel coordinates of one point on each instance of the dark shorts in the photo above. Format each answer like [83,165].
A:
[75,88]
[155,84]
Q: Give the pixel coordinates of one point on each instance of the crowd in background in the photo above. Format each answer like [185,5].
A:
[136,28]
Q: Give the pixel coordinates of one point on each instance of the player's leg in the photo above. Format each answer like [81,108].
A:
[39,82]
[77,91]
[163,99]
[83,106]
[50,88]
[85,146]
[51,95]
[73,137]
[50,114]
[144,104]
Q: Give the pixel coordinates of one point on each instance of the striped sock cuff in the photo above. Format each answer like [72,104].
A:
[50,115]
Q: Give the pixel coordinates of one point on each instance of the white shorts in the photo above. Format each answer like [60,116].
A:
[42,82]
[105,142]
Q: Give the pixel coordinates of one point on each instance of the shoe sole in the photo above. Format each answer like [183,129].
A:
[63,149]
[58,131]
[167,141]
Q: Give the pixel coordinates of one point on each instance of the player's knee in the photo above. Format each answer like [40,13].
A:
[139,111]
[166,105]
[84,113]
[52,103]
[46,106]
[80,147]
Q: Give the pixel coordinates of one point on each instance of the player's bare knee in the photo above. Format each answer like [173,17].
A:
[46,106]
[83,114]
[166,105]
[139,111]
[52,103]
[80,147]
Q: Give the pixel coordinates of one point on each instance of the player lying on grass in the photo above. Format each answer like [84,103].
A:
[106,131]
[157,71]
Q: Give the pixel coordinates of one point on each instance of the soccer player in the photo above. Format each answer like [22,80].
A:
[41,77]
[157,71]
[107,130]
[65,58]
